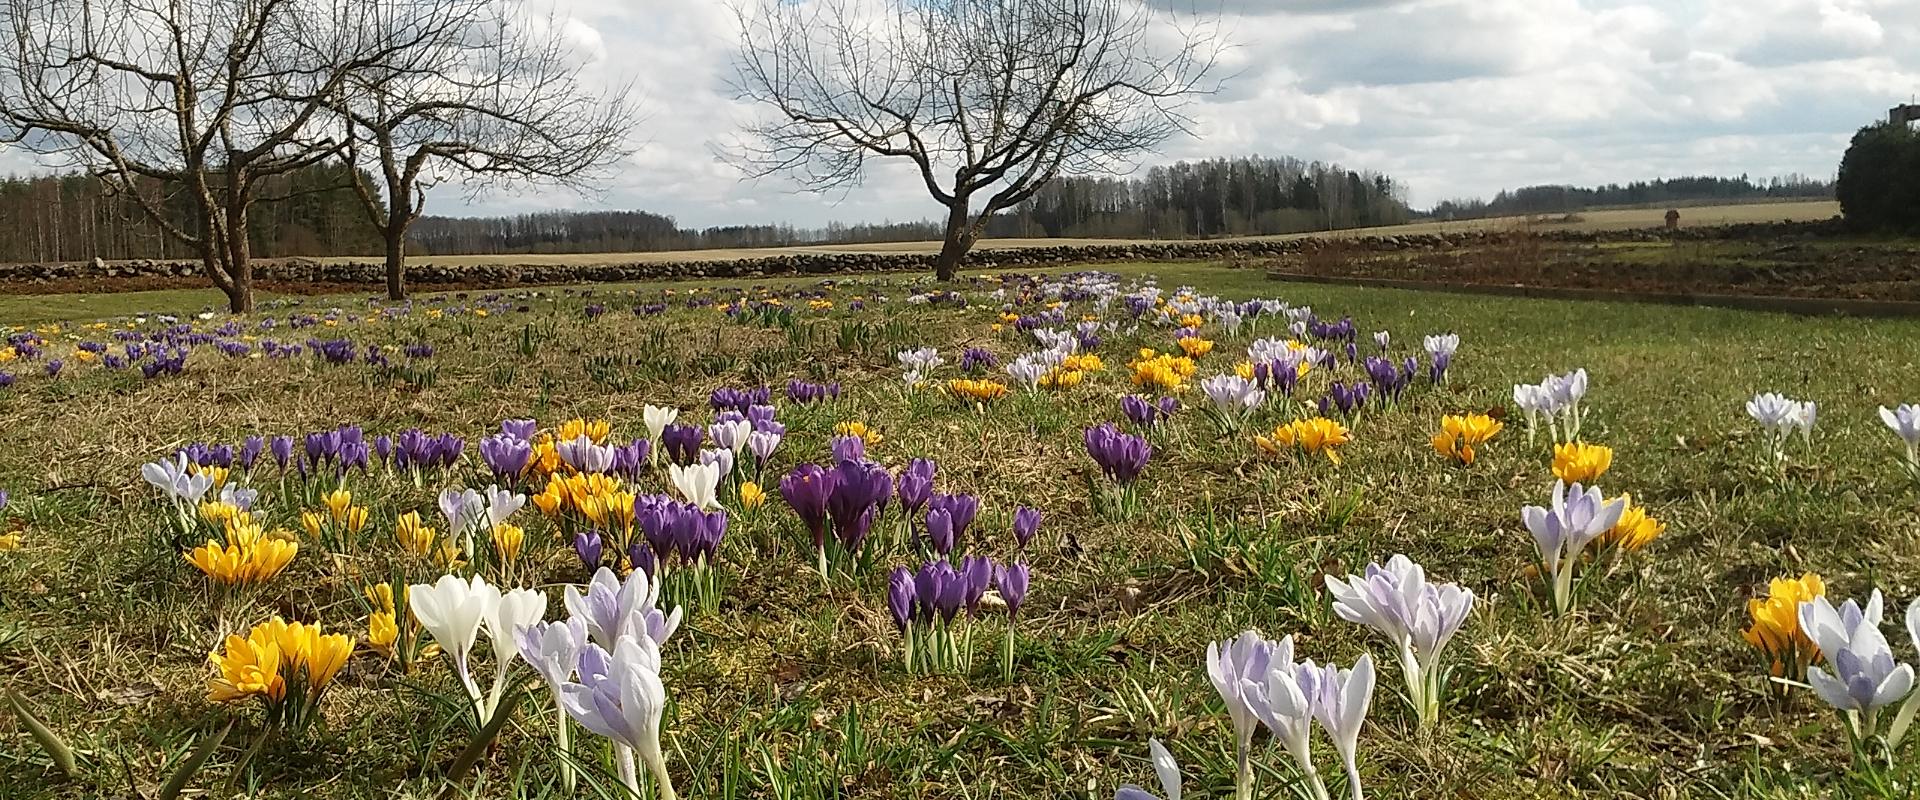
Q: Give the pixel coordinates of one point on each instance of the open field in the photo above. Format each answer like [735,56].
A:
[783,684]
[1617,219]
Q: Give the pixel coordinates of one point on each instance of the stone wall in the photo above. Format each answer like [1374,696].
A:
[424,274]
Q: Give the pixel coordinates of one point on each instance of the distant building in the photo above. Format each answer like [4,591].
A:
[1907,114]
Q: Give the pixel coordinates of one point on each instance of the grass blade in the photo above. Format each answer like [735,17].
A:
[481,740]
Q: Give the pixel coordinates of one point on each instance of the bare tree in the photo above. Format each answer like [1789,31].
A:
[497,99]
[204,99]
[985,98]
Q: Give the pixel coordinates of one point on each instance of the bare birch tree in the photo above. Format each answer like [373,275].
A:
[204,98]
[496,100]
[987,99]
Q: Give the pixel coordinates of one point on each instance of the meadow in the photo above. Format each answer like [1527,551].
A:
[784,682]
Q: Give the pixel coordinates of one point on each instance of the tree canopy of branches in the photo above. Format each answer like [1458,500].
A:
[208,99]
[201,105]
[984,99]
[492,96]
[1879,187]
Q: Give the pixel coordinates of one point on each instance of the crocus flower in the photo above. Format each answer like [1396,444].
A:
[1232,665]
[464,510]
[1120,456]
[282,449]
[1779,417]
[698,483]
[1776,626]
[657,419]
[762,443]
[589,545]
[682,443]
[1860,675]
[731,434]
[860,491]
[453,611]
[521,429]
[806,490]
[620,696]
[1905,423]
[849,448]
[501,505]
[1164,768]
[1579,462]
[1011,581]
[900,596]
[721,459]
[613,609]
[1026,522]
[1440,350]
[1382,339]
[1417,616]
[1340,698]
[1578,516]
[506,455]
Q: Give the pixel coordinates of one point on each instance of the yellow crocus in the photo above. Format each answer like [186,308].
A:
[216,513]
[1318,435]
[1460,434]
[979,391]
[507,540]
[356,519]
[1579,462]
[10,541]
[594,429]
[338,502]
[247,668]
[414,536]
[752,496]
[382,631]
[1195,346]
[1061,378]
[549,501]
[1776,625]
[1635,529]
[1084,362]
[857,428]
[218,474]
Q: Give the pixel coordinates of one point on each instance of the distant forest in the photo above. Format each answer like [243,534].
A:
[313,213]
[1567,199]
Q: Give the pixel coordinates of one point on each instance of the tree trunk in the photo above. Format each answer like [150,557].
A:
[395,232]
[959,239]
[239,256]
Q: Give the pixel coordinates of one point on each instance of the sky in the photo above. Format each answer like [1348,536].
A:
[1452,98]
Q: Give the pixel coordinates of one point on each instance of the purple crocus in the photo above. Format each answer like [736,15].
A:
[849,448]
[1120,456]
[806,490]
[1012,581]
[53,367]
[682,443]
[521,429]
[589,545]
[960,509]
[250,451]
[507,455]
[282,449]
[940,531]
[1026,522]
[860,493]
[978,572]
[900,594]
[976,360]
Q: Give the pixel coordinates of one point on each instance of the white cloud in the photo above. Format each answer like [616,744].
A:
[1451,97]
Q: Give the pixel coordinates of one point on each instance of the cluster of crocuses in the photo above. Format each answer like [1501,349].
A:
[926,606]
[1555,400]
[1121,457]
[1780,417]
[602,664]
[846,499]
[1262,685]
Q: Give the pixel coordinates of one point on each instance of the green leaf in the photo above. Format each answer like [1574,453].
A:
[191,766]
[478,747]
[50,741]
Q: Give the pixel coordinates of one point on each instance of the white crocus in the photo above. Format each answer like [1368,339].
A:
[453,611]
[1417,616]
[1340,698]
[1285,709]
[516,609]
[1164,767]
[1578,515]
[1232,666]
[619,695]
[731,434]
[657,419]
[1905,423]
[698,483]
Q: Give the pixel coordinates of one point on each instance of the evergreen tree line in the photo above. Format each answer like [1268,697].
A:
[1558,199]
[1216,197]
[630,232]
[74,217]
[1880,179]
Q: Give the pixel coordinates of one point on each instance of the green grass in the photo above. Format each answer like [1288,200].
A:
[792,688]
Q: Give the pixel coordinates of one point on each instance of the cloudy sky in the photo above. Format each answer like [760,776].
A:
[1453,98]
